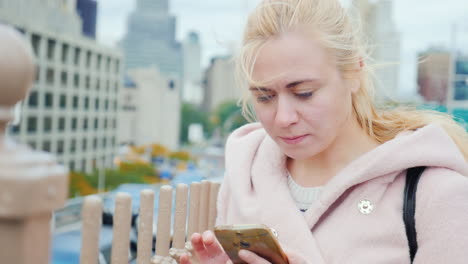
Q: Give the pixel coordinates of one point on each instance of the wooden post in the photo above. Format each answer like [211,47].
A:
[194,209]
[92,222]
[121,230]
[180,218]
[204,206]
[32,185]
[214,189]
[163,233]
[145,227]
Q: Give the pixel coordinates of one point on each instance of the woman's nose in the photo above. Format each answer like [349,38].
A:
[286,112]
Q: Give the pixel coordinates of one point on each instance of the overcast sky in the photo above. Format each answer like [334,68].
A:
[422,23]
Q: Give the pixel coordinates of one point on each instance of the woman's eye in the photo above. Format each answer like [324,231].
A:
[304,95]
[264,98]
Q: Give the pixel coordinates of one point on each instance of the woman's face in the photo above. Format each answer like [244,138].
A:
[305,104]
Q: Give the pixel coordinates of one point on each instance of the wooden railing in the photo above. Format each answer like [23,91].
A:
[33,186]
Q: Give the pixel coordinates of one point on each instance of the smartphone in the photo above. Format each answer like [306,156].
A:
[259,239]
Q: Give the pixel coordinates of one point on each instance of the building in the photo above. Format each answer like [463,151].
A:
[219,83]
[72,108]
[150,39]
[379,27]
[434,77]
[150,109]
[192,91]
[461,79]
[87,9]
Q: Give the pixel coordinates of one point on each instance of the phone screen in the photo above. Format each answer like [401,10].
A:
[257,238]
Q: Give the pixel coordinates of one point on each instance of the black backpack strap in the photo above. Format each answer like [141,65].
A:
[409,207]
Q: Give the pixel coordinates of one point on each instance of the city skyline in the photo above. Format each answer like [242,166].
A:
[412,19]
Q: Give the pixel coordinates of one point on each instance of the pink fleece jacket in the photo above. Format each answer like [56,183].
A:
[334,230]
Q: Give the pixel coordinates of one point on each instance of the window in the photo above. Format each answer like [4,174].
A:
[87,82]
[99,58]
[46,146]
[76,80]
[104,142]
[47,124]
[36,44]
[33,99]
[75,102]
[85,123]
[73,146]
[15,129]
[96,123]
[50,76]
[63,101]
[60,146]
[74,123]
[105,123]
[106,104]
[50,49]
[85,144]
[96,105]
[107,85]
[95,143]
[88,58]
[116,86]
[76,60]
[98,84]
[108,62]
[61,125]
[117,64]
[32,124]
[113,142]
[86,103]
[83,165]
[171,85]
[64,79]
[49,100]
[115,105]
[65,49]
[114,123]
[71,166]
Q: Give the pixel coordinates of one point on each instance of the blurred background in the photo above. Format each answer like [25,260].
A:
[132,94]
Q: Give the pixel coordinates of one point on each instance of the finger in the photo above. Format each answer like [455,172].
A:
[211,244]
[184,259]
[251,257]
[197,243]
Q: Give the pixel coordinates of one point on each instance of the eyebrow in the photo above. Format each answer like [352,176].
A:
[288,86]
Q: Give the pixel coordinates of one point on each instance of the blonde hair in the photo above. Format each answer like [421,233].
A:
[343,38]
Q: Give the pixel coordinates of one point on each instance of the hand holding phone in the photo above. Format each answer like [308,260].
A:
[256,238]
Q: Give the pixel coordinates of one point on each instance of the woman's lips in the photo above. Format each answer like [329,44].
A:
[293,140]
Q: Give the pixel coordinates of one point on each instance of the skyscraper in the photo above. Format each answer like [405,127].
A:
[150,39]
[87,9]
[385,43]
[192,92]
[219,83]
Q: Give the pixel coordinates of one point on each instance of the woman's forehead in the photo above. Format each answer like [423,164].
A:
[290,55]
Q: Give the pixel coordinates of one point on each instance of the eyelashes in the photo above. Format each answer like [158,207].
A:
[268,98]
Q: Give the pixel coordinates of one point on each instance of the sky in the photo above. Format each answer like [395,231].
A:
[421,23]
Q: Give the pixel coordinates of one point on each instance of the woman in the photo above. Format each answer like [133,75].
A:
[323,166]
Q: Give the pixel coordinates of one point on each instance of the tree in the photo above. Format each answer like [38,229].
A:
[228,116]
[192,114]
